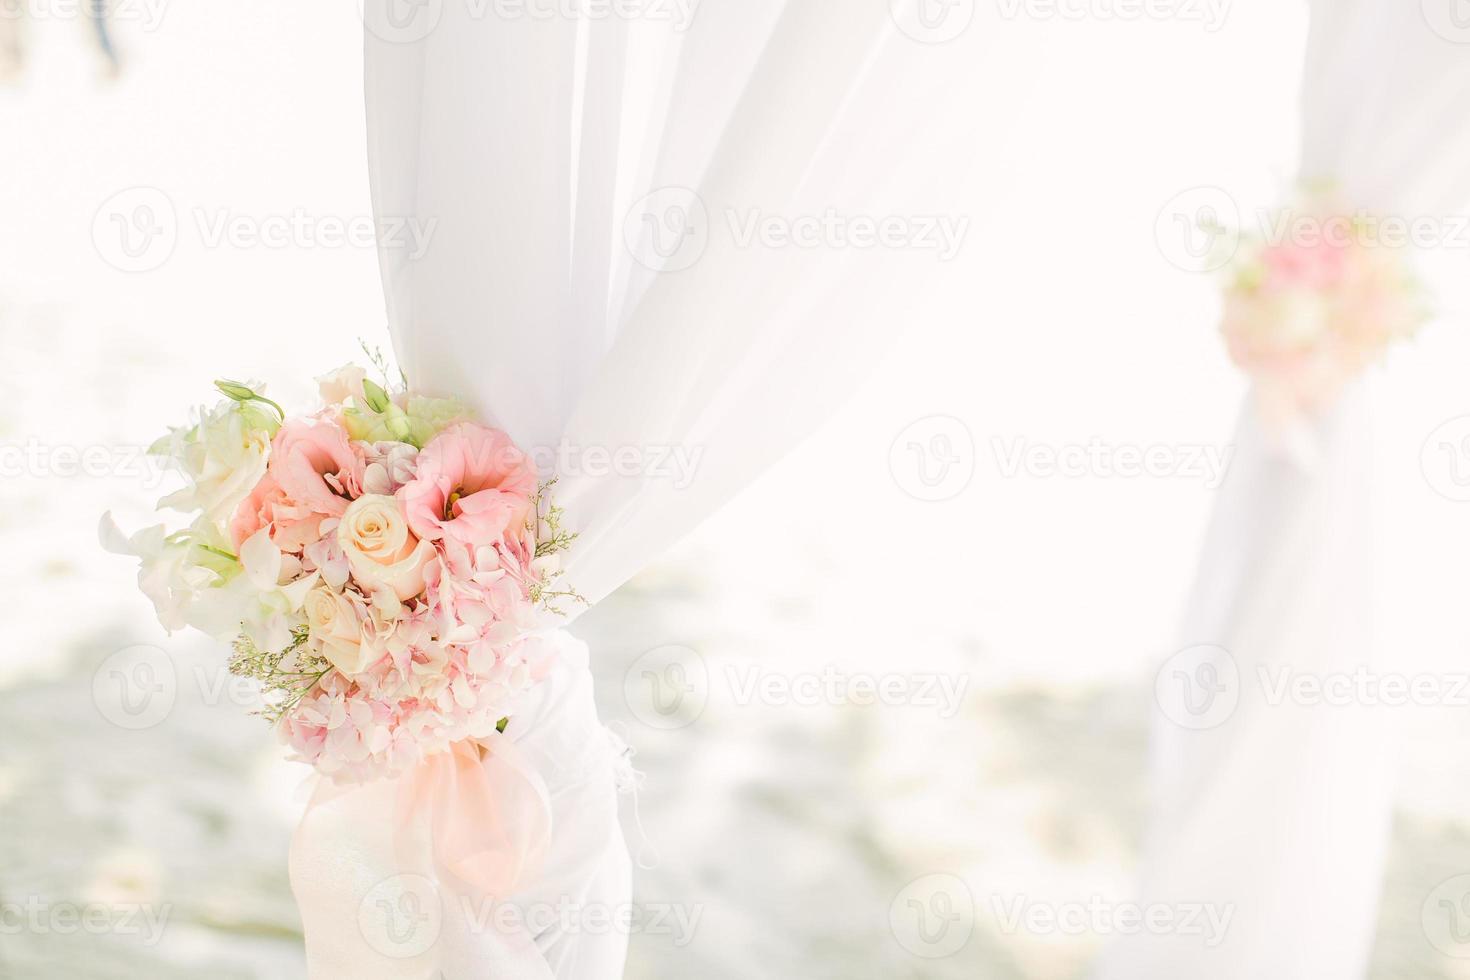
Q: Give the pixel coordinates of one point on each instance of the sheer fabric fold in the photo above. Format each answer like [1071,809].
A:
[1280,814]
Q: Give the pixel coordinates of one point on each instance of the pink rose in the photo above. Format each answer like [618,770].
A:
[473,485]
[1317,266]
[314,465]
[293,527]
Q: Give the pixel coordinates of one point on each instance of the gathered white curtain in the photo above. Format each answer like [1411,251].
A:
[588,325]
[1279,814]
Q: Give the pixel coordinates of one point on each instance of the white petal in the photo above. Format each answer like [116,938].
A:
[262,560]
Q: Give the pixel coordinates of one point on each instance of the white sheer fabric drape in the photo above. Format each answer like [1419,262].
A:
[532,142]
[529,140]
[1280,812]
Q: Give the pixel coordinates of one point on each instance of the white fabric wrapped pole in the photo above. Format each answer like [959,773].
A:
[528,142]
[1278,815]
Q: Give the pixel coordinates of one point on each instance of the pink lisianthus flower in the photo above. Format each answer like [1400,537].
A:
[293,527]
[473,485]
[315,466]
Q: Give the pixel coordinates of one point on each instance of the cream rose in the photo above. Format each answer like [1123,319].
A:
[337,631]
[380,549]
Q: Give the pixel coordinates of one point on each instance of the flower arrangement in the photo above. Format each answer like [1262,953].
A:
[379,566]
[1307,313]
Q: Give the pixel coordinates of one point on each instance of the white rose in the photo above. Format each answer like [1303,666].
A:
[337,631]
[223,458]
[342,384]
[380,549]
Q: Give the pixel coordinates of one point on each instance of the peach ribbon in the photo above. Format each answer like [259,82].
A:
[465,831]
[486,813]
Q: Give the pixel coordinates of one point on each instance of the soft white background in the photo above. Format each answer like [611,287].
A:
[790,828]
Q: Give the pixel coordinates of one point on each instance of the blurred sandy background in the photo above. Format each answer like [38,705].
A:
[792,830]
